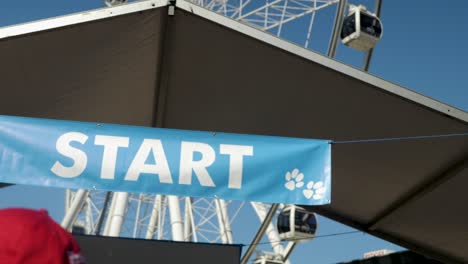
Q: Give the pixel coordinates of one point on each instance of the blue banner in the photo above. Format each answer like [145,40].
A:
[82,155]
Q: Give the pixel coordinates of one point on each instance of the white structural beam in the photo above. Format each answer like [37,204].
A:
[155,214]
[176,219]
[118,215]
[260,233]
[271,231]
[136,224]
[288,250]
[188,220]
[223,221]
[256,11]
[74,209]
[89,223]
[227,221]
[266,15]
[111,212]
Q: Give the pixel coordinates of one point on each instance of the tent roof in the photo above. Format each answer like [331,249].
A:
[135,64]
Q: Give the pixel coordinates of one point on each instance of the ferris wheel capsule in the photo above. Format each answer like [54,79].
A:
[361,29]
[296,224]
[268,258]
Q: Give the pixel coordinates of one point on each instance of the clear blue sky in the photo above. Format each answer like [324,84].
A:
[424,48]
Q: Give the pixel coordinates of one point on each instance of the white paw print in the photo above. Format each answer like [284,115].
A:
[294,180]
[315,191]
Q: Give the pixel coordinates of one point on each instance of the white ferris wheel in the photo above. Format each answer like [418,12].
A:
[166,217]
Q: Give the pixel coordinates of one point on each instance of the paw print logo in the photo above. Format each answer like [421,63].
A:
[294,180]
[315,191]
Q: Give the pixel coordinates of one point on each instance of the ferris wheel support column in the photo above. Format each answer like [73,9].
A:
[311,24]
[154,217]
[271,231]
[75,208]
[289,248]
[189,227]
[282,18]
[227,222]
[89,216]
[340,10]
[109,215]
[224,226]
[102,214]
[118,215]
[260,233]
[176,219]
[137,215]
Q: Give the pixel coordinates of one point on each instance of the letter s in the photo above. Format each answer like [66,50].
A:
[78,156]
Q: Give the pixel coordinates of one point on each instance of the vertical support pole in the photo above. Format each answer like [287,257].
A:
[227,222]
[176,219]
[259,234]
[137,215]
[340,10]
[102,214]
[162,216]
[89,216]
[110,214]
[368,56]
[223,220]
[192,222]
[74,209]
[188,219]
[222,227]
[120,210]
[154,217]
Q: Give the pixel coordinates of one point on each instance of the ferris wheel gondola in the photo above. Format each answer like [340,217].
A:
[361,30]
[296,224]
[268,258]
